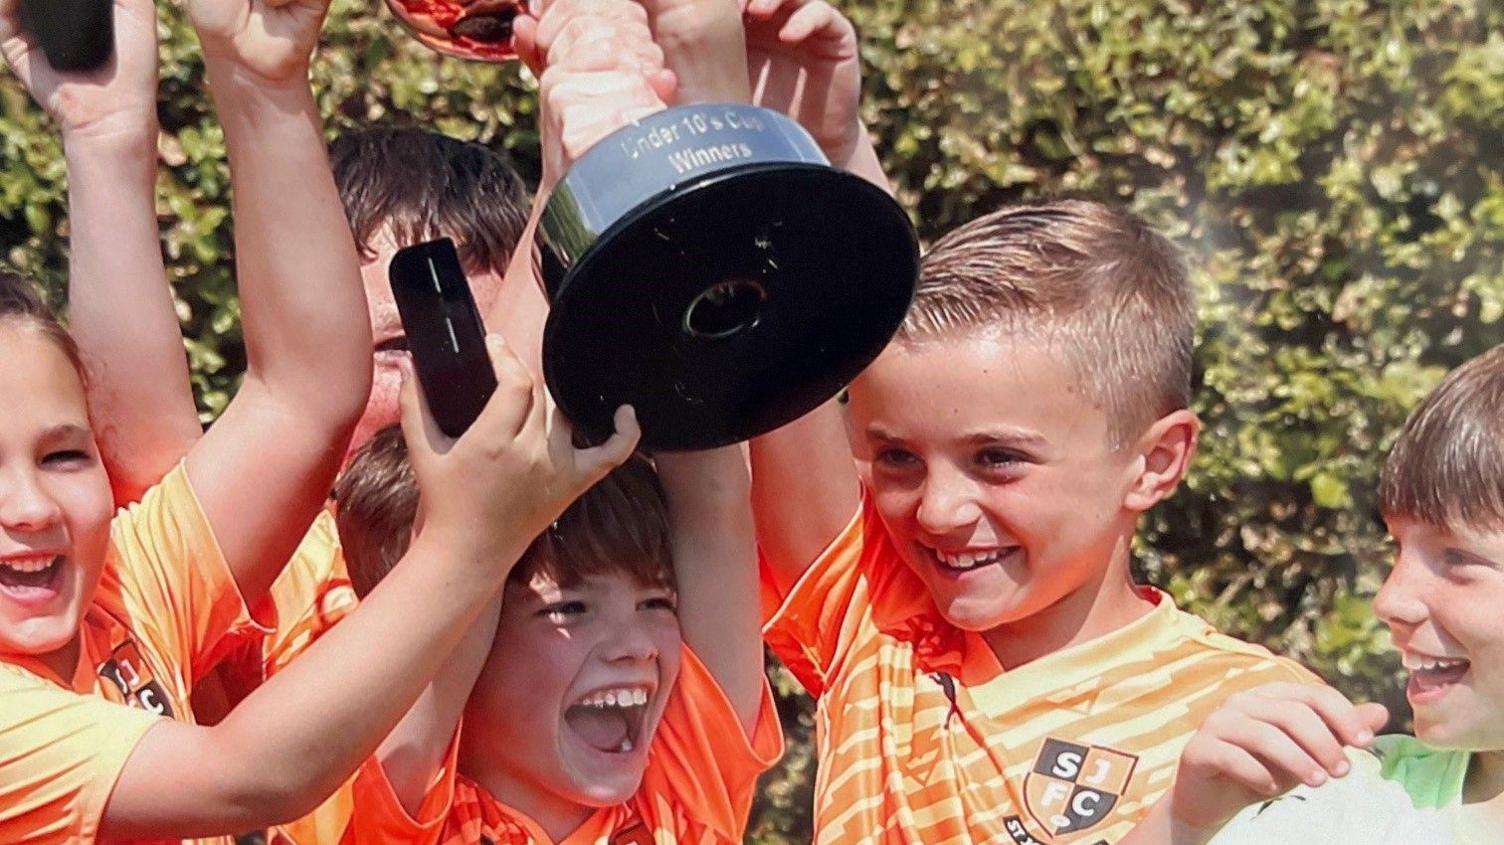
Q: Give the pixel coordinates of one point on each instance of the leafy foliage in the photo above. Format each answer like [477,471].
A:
[1332,167]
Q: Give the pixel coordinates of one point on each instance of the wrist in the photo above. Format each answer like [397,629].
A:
[486,549]
[232,81]
[845,149]
[113,136]
[1180,830]
[1160,826]
[707,50]
[121,157]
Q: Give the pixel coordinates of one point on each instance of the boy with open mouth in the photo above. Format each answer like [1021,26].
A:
[1442,495]
[585,710]
[108,617]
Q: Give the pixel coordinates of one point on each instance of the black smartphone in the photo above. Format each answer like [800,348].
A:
[444,333]
[75,34]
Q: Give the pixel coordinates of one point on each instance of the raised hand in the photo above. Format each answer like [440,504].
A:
[272,40]
[516,468]
[1264,742]
[599,70]
[117,98]
[802,60]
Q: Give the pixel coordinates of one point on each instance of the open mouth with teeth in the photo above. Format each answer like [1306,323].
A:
[610,721]
[1434,674]
[31,578]
[965,561]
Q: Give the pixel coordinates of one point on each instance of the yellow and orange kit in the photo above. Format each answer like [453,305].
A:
[924,738]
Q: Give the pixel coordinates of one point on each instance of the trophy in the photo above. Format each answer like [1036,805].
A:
[480,30]
[707,266]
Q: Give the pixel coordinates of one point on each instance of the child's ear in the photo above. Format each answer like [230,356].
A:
[1165,451]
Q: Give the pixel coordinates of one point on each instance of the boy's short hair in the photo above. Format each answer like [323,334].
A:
[426,185]
[1447,468]
[1096,277]
[618,526]
[376,504]
[21,303]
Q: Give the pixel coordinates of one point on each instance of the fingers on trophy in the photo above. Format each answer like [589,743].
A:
[705,264]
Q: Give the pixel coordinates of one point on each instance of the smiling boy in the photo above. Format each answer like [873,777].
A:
[1442,495]
[591,718]
[985,667]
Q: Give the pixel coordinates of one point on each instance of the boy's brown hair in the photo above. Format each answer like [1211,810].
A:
[1447,468]
[1097,279]
[21,303]
[618,526]
[426,185]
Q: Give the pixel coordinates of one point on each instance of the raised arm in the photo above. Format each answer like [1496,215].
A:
[595,80]
[120,305]
[265,468]
[295,739]
[803,61]
[715,565]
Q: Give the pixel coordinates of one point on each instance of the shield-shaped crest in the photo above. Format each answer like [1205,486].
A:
[1073,787]
[132,677]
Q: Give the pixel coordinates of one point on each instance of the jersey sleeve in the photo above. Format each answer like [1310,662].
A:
[702,763]
[174,580]
[310,596]
[378,817]
[818,617]
[60,756]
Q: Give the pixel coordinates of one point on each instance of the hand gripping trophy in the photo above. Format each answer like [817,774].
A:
[704,264]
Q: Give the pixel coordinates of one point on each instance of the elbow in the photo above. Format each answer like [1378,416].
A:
[345,397]
[330,403]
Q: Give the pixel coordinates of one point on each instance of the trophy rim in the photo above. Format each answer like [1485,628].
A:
[862,197]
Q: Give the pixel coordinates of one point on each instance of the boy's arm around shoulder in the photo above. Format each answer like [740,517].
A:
[296,738]
[715,564]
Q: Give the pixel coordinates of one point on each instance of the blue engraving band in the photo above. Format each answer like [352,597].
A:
[654,157]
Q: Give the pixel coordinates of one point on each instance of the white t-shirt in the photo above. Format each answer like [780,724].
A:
[1401,794]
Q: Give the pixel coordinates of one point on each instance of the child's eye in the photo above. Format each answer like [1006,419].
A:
[995,458]
[1459,558]
[669,603]
[897,458]
[562,611]
[65,458]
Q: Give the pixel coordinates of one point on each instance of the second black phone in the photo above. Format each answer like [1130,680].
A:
[444,333]
[76,35]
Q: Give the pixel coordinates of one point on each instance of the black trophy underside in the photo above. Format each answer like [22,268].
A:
[731,305]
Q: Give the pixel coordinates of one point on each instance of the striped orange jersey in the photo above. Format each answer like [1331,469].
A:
[924,738]
[165,599]
[311,594]
[701,775]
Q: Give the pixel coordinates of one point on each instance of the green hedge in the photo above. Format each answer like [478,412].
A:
[1332,167]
